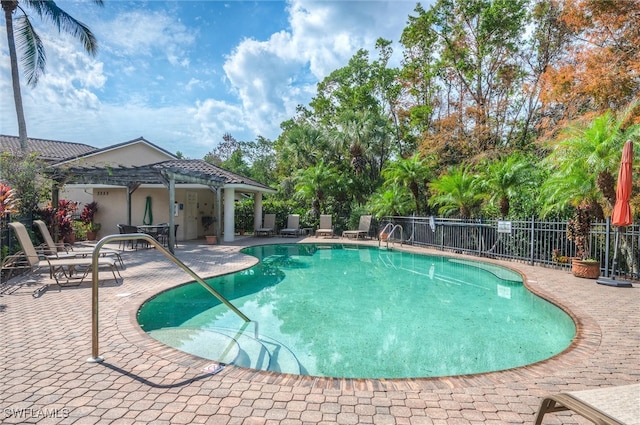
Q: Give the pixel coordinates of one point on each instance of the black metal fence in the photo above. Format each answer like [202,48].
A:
[532,241]
[536,242]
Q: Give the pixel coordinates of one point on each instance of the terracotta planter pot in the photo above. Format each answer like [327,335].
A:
[92,236]
[211,239]
[585,269]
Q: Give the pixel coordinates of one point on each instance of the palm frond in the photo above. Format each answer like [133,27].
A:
[32,49]
[50,11]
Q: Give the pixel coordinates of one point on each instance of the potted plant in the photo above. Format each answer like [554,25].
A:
[207,222]
[578,230]
[87,216]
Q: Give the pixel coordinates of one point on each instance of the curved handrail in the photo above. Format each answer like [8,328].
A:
[393,229]
[150,239]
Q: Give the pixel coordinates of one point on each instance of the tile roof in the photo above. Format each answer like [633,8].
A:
[57,151]
[47,150]
[201,166]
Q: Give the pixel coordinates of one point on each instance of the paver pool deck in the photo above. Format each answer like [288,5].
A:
[46,341]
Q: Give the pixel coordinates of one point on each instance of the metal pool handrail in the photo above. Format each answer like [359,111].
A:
[94,277]
[393,229]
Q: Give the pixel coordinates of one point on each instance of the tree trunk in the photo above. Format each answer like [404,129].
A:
[9,7]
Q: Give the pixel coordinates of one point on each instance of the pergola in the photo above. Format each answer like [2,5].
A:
[168,173]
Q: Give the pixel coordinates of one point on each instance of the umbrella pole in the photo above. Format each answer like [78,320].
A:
[614,264]
[611,281]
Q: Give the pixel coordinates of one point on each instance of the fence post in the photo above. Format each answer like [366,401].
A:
[607,244]
[533,239]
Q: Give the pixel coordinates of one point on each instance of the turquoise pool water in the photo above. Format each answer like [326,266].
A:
[360,312]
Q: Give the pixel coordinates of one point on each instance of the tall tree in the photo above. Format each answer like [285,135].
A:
[33,52]
[468,54]
[600,69]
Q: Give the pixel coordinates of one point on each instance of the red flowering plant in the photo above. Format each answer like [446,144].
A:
[62,217]
[88,214]
[8,201]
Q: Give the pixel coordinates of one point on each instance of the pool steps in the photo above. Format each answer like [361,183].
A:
[231,346]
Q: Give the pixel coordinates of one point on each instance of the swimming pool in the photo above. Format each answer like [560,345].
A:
[362,312]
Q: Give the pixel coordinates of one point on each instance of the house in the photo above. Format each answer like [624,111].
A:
[137,182]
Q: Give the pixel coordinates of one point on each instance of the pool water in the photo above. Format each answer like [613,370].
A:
[361,312]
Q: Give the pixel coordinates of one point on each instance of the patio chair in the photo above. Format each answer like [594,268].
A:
[268,226]
[612,405]
[71,269]
[326,228]
[163,234]
[53,250]
[127,229]
[293,226]
[363,228]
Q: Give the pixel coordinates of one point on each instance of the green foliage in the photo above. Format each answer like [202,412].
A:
[394,200]
[26,176]
[584,159]
[414,173]
[457,193]
[503,179]
[244,215]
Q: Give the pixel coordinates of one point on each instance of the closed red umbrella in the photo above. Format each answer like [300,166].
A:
[621,215]
[622,210]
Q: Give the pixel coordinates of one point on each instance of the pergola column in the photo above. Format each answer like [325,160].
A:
[229,214]
[257,210]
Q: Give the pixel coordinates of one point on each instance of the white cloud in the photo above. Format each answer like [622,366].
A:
[181,106]
[273,76]
[138,34]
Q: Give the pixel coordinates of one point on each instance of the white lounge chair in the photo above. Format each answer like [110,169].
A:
[363,228]
[63,270]
[268,226]
[619,405]
[293,226]
[65,251]
[326,227]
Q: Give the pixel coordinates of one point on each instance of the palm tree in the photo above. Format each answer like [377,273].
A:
[592,152]
[314,183]
[504,178]
[394,200]
[569,186]
[456,192]
[412,172]
[34,57]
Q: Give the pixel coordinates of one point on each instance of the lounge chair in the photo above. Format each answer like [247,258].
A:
[325,228]
[268,226]
[71,269]
[363,228]
[54,250]
[293,226]
[617,405]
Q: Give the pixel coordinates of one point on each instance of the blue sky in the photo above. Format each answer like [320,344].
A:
[183,73]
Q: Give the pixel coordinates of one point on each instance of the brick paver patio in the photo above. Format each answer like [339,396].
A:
[45,378]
